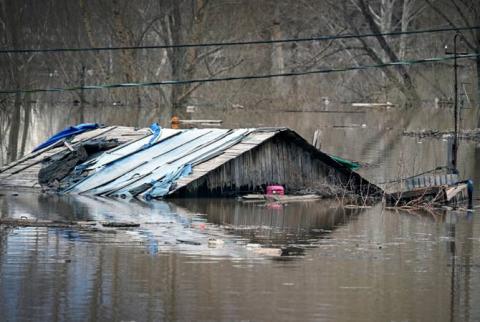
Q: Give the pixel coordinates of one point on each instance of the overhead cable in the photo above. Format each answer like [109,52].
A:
[235,78]
[236,43]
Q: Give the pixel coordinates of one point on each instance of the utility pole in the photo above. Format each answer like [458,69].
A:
[454,165]
[455,109]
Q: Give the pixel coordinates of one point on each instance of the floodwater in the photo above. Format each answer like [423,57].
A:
[354,264]
[220,260]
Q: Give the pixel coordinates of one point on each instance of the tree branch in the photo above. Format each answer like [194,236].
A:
[448,20]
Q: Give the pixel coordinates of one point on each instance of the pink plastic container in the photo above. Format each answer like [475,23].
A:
[275,190]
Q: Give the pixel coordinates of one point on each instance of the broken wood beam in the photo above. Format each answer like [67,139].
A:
[82,225]
[200,121]
[386,104]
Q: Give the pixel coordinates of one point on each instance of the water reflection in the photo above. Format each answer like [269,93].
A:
[188,225]
[274,224]
[366,265]
[363,265]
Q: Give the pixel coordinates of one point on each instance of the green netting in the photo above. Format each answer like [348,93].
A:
[349,164]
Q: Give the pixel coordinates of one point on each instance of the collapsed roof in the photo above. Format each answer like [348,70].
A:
[127,162]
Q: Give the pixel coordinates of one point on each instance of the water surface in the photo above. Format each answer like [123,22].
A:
[354,265]
[357,265]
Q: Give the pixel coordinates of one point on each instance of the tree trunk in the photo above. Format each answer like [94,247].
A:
[408,89]
[177,58]
[86,17]
[278,61]
[184,61]
[406,12]
[14,129]
[386,14]
[81,110]
[26,123]
[128,58]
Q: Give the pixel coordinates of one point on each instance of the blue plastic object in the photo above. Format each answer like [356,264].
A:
[156,132]
[67,132]
[162,187]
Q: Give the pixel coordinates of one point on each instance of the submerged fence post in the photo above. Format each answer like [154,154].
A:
[470,193]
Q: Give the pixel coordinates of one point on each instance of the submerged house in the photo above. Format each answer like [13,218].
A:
[153,163]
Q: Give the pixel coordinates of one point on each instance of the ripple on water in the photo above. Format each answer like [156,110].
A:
[355,264]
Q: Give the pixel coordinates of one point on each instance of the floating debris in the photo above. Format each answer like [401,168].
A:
[188,242]
[213,242]
[473,135]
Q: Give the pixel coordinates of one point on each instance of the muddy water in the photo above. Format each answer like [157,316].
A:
[344,265]
[356,264]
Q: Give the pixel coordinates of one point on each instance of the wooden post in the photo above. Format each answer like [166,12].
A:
[316,139]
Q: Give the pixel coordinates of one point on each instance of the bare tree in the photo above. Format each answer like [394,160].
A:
[377,17]
[186,23]
[11,24]
[466,14]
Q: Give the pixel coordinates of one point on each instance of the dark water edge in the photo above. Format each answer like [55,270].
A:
[358,264]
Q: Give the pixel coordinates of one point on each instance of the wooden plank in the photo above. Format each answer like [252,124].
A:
[15,174]
[26,180]
[31,156]
[195,171]
[239,149]
[244,146]
[200,121]
[453,191]
[190,178]
[28,176]
[92,134]
[26,172]
[75,144]
[58,145]
[233,154]
[202,170]
[214,161]
[258,137]
[19,183]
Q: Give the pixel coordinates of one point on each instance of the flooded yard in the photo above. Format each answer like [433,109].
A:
[354,264]
[224,260]
[121,120]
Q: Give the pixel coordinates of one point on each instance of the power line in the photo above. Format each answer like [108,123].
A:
[234,78]
[236,43]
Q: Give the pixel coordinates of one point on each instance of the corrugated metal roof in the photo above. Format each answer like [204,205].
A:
[142,167]
[134,168]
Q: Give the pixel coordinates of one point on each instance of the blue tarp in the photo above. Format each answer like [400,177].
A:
[156,134]
[162,187]
[69,131]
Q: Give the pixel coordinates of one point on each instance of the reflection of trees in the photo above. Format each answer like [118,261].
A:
[15,70]
[462,267]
